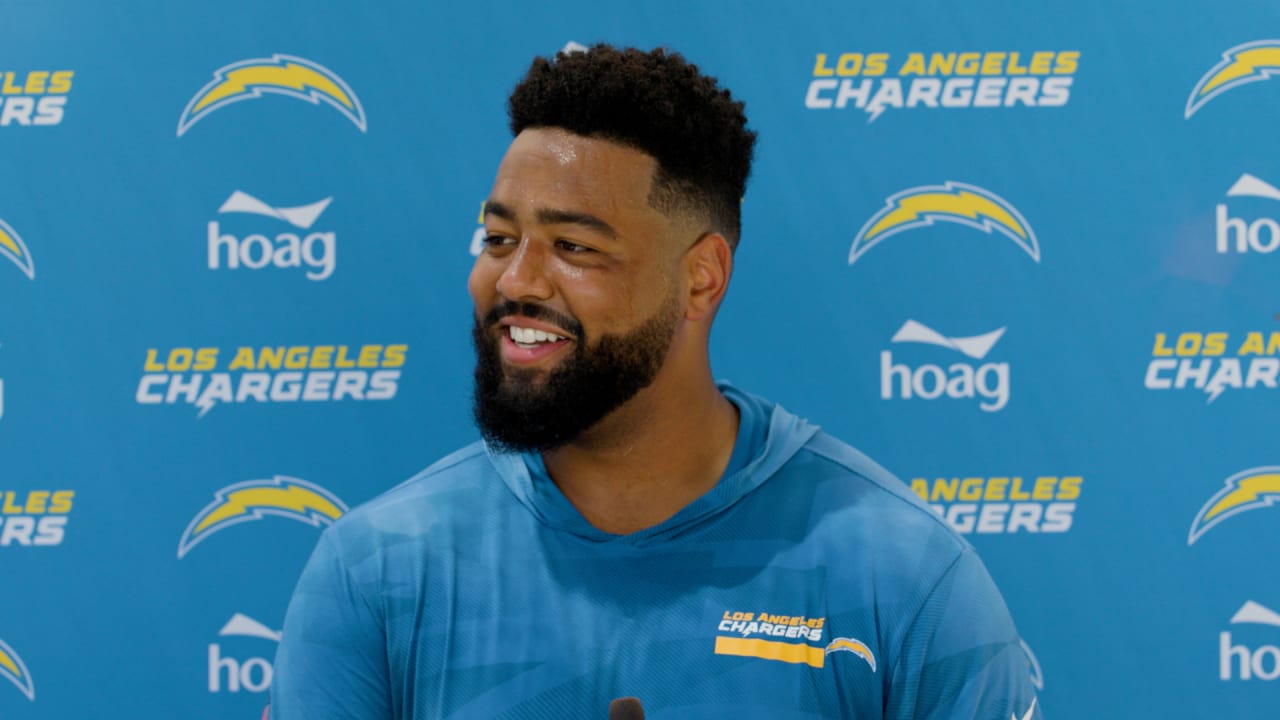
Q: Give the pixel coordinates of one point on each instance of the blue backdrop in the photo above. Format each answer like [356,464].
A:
[1026,257]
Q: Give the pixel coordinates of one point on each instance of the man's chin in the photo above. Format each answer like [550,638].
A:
[524,379]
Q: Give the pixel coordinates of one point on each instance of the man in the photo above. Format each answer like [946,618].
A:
[628,527]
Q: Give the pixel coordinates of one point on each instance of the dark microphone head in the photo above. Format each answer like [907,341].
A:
[627,708]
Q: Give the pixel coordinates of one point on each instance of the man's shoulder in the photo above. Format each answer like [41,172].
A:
[863,493]
[861,501]
[446,487]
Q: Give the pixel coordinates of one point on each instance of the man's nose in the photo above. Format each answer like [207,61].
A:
[525,276]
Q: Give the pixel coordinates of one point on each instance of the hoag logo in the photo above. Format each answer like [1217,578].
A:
[1238,235]
[986,382]
[228,674]
[1238,661]
[317,251]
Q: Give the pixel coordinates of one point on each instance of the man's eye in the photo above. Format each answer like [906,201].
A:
[573,247]
[498,240]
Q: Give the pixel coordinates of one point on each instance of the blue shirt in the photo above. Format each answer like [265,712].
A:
[808,583]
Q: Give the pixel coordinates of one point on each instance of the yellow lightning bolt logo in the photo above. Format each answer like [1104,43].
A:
[279,74]
[12,247]
[248,501]
[11,668]
[1249,490]
[1243,64]
[950,202]
[857,647]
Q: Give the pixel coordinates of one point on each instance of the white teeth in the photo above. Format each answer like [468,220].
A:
[529,336]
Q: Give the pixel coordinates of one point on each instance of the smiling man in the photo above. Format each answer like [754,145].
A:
[628,527]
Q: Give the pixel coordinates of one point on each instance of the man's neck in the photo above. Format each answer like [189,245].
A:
[648,459]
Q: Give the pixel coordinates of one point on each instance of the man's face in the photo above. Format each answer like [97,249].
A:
[575,294]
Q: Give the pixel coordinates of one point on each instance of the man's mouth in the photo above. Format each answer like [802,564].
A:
[527,338]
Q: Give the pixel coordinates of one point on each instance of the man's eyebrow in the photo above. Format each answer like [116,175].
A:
[547,216]
[497,209]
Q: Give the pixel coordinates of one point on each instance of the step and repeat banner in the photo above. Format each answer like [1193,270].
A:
[1028,258]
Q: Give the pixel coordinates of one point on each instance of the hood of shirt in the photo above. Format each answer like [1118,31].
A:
[757,456]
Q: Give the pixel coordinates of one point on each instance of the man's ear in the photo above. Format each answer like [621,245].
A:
[707,264]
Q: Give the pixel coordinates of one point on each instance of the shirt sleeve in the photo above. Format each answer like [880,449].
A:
[961,658]
[332,660]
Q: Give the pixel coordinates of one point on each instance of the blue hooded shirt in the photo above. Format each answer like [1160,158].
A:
[808,583]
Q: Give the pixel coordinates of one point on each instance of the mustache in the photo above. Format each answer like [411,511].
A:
[533,312]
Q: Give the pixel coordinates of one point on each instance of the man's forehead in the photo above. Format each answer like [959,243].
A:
[559,146]
[559,149]
[551,165]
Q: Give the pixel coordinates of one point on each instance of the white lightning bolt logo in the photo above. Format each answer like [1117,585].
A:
[210,396]
[1243,64]
[953,202]
[1214,391]
[1249,490]
[205,403]
[279,74]
[13,670]
[280,496]
[12,247]
[855,646]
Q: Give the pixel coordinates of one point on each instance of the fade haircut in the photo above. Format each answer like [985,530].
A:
[655,102]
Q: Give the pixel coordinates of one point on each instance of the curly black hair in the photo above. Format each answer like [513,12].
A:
[656,102]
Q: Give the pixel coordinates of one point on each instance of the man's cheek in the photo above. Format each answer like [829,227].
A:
[481,284]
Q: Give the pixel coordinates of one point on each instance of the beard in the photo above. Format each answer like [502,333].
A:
[516,413]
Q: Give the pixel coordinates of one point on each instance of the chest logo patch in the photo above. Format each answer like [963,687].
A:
[857,647]
[795,639]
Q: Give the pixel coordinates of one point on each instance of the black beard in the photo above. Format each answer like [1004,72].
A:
[515,415]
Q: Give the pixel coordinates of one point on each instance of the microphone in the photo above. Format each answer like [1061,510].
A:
[627,708]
